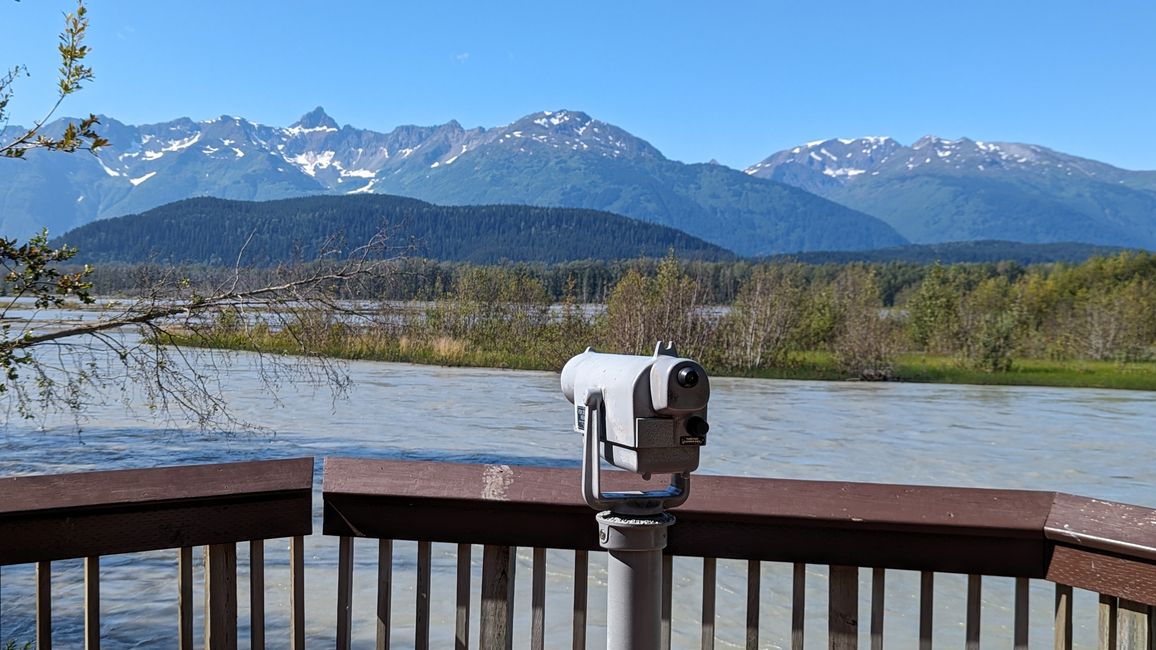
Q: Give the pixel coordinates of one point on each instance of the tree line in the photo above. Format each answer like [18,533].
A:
[858,318]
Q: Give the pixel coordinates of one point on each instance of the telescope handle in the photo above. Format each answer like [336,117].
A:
[632,502]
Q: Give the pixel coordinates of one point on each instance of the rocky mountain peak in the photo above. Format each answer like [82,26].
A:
[315,120]
[577,131]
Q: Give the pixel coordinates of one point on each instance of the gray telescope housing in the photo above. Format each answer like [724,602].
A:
[652,409]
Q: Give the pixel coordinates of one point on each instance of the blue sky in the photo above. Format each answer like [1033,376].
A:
[732,81]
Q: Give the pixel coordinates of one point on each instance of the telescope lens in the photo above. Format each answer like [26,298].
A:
[697,426]
[688,377]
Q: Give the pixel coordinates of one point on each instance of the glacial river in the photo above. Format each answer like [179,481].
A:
[1089,442]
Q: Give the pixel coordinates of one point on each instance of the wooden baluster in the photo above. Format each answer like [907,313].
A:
[1108,621]
[92,603]
[462,622]
[221,597]
[709,569]
[754,587]
[667,594]
[926,609]
[257,594]
[974,610]
[344,593]
[497,622]
[1152,627]
[798,605]
[843,608]
[581,567]
[1063,629]
[44,606]
[185,598]
[878,601]
[421,611]
[1134,632]
[538,601]
[384,591]
[1021,615]
[297,592]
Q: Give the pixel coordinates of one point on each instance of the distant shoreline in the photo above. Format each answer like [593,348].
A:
[908,368]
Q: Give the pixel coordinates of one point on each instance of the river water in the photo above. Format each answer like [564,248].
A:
[1089,442]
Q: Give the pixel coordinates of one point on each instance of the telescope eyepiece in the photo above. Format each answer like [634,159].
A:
[688,377]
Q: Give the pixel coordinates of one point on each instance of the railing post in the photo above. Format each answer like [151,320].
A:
[974,611]
[798,604]
[297,592]
[878,598]
[462,615]
[1109,610]
[709,590]
[344,593]
[926,609]
[92,602]
[1063,621]
[257,594]
[221,597]
[843,608]
[497,623]
[421,591]
[538,602]
[384,591]
[44,606]
[1134,631]
[185,599]
[578,629]
[754,584]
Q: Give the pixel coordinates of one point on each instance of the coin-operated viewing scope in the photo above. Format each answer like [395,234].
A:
[641,414]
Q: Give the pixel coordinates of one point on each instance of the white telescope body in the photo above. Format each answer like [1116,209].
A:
[654,408]
[644,415]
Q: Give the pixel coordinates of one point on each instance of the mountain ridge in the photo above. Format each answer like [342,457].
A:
[939,189]
[550,158]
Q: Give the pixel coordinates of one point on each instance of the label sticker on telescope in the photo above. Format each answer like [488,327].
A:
[696,441]
[580,418]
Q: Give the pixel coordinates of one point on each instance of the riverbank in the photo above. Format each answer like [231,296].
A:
[820,366]
[927,369]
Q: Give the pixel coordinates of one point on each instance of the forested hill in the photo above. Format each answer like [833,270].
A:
[217,231]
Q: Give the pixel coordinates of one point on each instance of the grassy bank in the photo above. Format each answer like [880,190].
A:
[922,368]
[821,366]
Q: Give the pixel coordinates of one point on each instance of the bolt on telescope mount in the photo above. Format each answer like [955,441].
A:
[645,415]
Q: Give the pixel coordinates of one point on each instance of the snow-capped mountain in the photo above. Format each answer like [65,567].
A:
[349,160]
[939,190]
[826,163]
[551,158]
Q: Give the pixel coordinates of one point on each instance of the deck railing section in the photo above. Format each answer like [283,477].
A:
[95,514]
[1074,542]
[862,537]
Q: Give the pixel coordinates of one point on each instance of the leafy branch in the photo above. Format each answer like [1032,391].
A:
[73,73]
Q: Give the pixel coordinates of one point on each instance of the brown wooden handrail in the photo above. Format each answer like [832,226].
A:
[1088,543]
[103,513]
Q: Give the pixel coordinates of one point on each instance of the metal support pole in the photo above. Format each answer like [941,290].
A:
[634,589]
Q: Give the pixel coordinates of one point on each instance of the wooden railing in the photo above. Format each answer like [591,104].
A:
[1074,542]
[89,515]
[856,540]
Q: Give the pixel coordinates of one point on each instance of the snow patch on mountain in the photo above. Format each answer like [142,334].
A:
[108,170]
[138,181]
[310,161]
[185,143]
[301,130]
